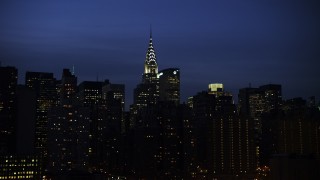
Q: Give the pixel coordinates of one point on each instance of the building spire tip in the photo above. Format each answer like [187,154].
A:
[150,31]
[73,69]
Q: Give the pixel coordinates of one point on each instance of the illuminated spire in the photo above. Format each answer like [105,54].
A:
[150,41]
[150,65]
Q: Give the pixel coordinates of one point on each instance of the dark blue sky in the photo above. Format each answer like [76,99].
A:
[232,42]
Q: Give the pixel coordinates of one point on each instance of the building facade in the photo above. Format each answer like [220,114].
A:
[45,87]
[169,83]
[8,110]
[147,92]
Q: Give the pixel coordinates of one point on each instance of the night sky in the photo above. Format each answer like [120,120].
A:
[232,42]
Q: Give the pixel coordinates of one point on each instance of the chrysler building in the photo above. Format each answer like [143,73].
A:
[147,92]
[150,65]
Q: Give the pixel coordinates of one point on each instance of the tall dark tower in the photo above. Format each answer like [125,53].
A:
[272,96]
[89,93]
[148,91]
[45,87]
[254,103]
[68,87]
[223,145]
[8,84]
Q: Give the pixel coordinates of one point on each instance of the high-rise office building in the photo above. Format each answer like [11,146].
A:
[157,122]
[105,102]
[69,127]
[20,167]
[169,82]
[90,93]
[272,96]
[8,84]
[117,90]
[224,147]
[68,87]
[244,100]
[158,142]
[68,139]
[112,94]
[291,130]
[110,126]
[253,103]
[44,85]
[17,114]
[26,116]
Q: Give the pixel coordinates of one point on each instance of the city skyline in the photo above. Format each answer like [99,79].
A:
[233,43]
[159,90]
[57,129]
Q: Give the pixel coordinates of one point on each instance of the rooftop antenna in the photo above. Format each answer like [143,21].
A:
[72,69]
[150,30]
[97,77]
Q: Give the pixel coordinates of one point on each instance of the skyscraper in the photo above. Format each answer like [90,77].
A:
[44,84]
[69,126]
[68,87]
[244,102]
[224,148]
[117,91]
[253,103]
[272,96]
[90,93]
[293,129]
[105,103]
[148,91]
[26,116]
[8,84]
[111,94]
[68,139]
[156,124]
[150,65]
[170,85]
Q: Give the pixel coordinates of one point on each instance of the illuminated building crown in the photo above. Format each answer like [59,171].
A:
[150,65]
